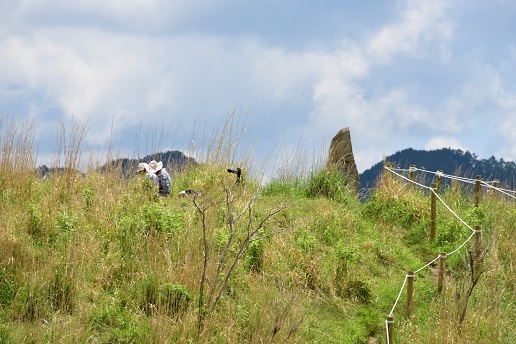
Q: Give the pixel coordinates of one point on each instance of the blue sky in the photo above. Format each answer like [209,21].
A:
[424,74]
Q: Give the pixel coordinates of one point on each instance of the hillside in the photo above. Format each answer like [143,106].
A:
[450,161]
[98,258]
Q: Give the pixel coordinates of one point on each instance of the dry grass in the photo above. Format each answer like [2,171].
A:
[99,258]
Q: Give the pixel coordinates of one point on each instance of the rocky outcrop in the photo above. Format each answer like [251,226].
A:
[341,158]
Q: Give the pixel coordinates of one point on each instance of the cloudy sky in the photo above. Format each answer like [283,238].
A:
[424,74]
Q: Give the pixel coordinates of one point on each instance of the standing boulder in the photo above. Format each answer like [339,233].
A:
[341,158]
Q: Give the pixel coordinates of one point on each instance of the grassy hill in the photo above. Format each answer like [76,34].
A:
[101,258]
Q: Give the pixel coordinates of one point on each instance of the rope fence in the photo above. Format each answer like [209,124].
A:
[489,184]
[389,322]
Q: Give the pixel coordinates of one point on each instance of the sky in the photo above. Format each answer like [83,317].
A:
[422,74]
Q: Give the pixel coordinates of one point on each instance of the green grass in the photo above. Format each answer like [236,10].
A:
[98,258]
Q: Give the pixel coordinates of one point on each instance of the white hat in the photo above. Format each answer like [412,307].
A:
[155,166]
[143,166]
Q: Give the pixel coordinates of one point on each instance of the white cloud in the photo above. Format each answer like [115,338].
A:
[444,142]
[421,22]
[383,120]
[110,65]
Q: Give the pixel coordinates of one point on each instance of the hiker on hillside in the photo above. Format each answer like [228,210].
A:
[163,177]
[143,167]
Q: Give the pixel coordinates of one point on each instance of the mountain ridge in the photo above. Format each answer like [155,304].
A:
[451,161]
[173,161]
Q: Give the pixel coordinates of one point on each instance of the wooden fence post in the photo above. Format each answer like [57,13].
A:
[410,293]
[477,191]
[496,184]
[433,211]
[390,323]
[412,172]
[438,180]
[442,266]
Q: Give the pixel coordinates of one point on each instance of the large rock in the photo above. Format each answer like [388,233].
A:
[341,158]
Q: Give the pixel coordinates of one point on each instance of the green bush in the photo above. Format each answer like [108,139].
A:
[115,324]
[327,183]
[280,188]
[406,210]
[156,216]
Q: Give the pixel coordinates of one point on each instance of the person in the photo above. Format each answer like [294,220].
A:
[144,167]
[164,182]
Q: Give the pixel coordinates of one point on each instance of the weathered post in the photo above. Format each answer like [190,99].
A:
[442,265]
[496,184]
[433,211]
[390,323]
[412,172]
[438,179]
[477,190]
[410,293]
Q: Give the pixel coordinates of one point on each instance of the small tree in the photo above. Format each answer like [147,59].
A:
[470,279]
[244,226]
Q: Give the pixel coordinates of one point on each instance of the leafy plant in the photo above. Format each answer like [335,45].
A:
[327,183]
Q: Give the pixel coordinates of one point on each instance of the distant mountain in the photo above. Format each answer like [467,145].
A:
[44,170]
[173,161]
[450,161]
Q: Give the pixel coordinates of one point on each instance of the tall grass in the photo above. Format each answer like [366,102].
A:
[97,257]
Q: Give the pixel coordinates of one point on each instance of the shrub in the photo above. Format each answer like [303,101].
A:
[327,183]
[119,326]
[280,188]
[157,217]
[405,210]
